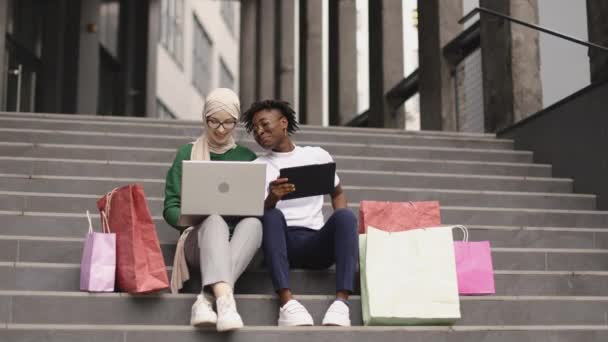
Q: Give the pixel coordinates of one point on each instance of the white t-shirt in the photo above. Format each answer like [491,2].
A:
[306,211]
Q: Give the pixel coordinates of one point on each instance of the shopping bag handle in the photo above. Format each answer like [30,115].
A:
[90,223]
[465,233]
[105,225]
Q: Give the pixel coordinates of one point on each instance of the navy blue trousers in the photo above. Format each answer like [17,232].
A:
[301,247]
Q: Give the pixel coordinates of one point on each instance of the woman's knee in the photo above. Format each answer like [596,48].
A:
[214,225]
[254,228]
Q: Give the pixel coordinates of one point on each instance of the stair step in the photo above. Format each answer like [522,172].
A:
[157,154]
[182,333]
[65,224]
[154,187]
[31,307]
[65,277]
[69,227]
[450,215]
[85,134]
[113,168]
[132,124]
[514,258]
[44,201]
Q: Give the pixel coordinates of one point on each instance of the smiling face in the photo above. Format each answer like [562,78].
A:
[218,133]
[269,128]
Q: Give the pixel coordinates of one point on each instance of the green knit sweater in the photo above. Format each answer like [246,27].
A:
[173,184]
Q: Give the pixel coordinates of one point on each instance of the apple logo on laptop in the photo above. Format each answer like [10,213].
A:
[223,187]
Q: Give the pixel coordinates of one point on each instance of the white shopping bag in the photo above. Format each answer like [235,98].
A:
[409,277]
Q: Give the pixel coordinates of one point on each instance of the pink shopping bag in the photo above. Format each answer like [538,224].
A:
[398,216]
[98,264]
[474,266]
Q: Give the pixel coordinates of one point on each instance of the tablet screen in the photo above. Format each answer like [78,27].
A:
[310,180]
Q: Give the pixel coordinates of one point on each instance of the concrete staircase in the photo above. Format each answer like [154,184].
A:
[550,246]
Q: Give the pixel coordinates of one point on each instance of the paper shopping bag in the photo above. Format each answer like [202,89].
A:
[398,216]
[140,266]
[409,277]
[98,264]
[474,266]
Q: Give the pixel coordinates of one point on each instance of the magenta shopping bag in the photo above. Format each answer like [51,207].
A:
[98,265]
[474,266]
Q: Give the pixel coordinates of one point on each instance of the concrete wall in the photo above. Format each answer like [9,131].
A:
[174,82]
[564,65]
[572,135]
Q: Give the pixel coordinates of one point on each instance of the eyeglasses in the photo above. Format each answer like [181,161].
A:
[228,125]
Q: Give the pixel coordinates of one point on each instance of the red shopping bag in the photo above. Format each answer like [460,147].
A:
[474,266]
[98,263]
[398,216]
[140,266]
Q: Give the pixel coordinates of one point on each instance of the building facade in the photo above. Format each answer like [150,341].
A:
[197,51]
[104,57]
[159,58]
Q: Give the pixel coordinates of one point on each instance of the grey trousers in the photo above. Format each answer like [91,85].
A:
[221,258]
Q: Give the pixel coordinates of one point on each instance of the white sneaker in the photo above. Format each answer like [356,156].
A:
[227,316]
[293,314]
[338,314]
[202,312]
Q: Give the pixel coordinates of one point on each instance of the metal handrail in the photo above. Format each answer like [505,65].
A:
[536,27]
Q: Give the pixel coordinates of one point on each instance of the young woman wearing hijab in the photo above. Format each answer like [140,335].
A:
[221,248]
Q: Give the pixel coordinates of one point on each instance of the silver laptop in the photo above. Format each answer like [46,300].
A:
[223,188]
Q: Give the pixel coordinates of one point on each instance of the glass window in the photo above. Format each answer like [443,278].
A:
[172,15]
[226,78]
[109,21]
[201,58]
[227,11]
[163,112]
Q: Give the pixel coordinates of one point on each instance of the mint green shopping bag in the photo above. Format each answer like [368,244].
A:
[409,277]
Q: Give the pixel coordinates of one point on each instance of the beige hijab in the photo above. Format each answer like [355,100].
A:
[218,100]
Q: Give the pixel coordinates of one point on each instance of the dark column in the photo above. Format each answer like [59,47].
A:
[248,53]
[342,61]
[134,58]
[88,62]
[286,69]
[385,60]
[437,26]
[267,45]
[153,40]
[597,12]
[511,64]
[3,57]
[71,57]
[314,62]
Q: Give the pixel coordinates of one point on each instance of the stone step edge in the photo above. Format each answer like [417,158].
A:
[303,143]
[44,265]
[348,187]
[405,137]
[470,227]
[350,205]
[135,121]
[367,172]
[171,328]
[124,162]
[303,297]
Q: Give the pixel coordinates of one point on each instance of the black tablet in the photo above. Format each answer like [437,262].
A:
[310,180]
